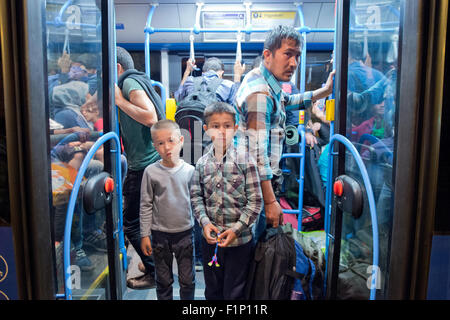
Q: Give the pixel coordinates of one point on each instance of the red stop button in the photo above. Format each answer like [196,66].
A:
[109,185]
[338,188]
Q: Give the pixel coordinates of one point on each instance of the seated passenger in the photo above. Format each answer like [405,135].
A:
[374,126]
[66,101]
[66,160]
[82,67]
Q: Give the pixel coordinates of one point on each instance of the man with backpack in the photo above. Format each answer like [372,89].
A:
[212,73]
[195,94]
[138,111]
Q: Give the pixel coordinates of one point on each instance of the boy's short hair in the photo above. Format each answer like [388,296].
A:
[165,124]
[218,107]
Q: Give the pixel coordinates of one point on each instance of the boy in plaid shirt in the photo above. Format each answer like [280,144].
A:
[226,199]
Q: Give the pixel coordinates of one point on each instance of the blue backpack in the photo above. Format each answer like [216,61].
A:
[303,288]
[309,262]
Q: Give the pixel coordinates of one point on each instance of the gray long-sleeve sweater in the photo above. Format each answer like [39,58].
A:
[165,200]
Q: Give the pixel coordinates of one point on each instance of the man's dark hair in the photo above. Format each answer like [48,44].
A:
[214,64]
[124,59]
[218,107]
[276,36]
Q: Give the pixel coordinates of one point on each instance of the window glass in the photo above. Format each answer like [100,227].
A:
[372,80]
[74,63]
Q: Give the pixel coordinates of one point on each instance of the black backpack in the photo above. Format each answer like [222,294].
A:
[145,82]
[272,272]
[189,116]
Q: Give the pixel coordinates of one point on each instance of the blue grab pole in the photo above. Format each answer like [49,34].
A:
[303,54]
[372,206]
[301,178]
[123,250]
[147,40]
[73,199]
[147,55]
[152,30]
[301,131]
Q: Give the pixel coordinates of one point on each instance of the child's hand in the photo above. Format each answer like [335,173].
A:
[226,238]
[146,246]
[207,231]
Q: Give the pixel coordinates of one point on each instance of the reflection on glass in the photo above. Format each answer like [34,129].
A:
[372,72]
[74,68]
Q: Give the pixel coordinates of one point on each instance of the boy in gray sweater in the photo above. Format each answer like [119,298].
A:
[166,214]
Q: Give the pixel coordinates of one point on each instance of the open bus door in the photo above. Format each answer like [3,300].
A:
[56,60]
[389,84]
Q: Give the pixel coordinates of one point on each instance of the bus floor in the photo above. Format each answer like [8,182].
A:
[150,294]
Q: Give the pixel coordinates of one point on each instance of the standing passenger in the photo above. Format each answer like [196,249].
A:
[262,105]
[166,213]
[137,113]
[225,91]
[226,199]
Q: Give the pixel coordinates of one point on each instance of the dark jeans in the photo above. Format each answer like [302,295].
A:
[131,225]
[165,245]
[226,282]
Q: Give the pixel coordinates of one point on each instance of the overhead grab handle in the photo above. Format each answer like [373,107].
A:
[238,47]
[197,17]
[66,47]
[192,52]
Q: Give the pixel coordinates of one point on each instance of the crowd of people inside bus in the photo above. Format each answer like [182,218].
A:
[172,207]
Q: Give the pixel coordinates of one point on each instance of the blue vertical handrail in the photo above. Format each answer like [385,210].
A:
[147,55]
[147,39]
[303,54]
[301,128]
[73,199]
[373,213]
[301,178]
[116,129]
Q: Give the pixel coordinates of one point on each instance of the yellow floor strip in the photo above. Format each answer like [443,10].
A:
[97,281]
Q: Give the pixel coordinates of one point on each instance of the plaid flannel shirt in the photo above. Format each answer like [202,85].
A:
[227,193]
[265,144]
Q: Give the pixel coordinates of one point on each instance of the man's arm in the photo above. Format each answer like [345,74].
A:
[259,105]
[189,67]
[239,70]
[140,107]
[146,205]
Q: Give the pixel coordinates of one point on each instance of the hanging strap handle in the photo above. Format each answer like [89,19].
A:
[238,47]
[192,52]
[66,47]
